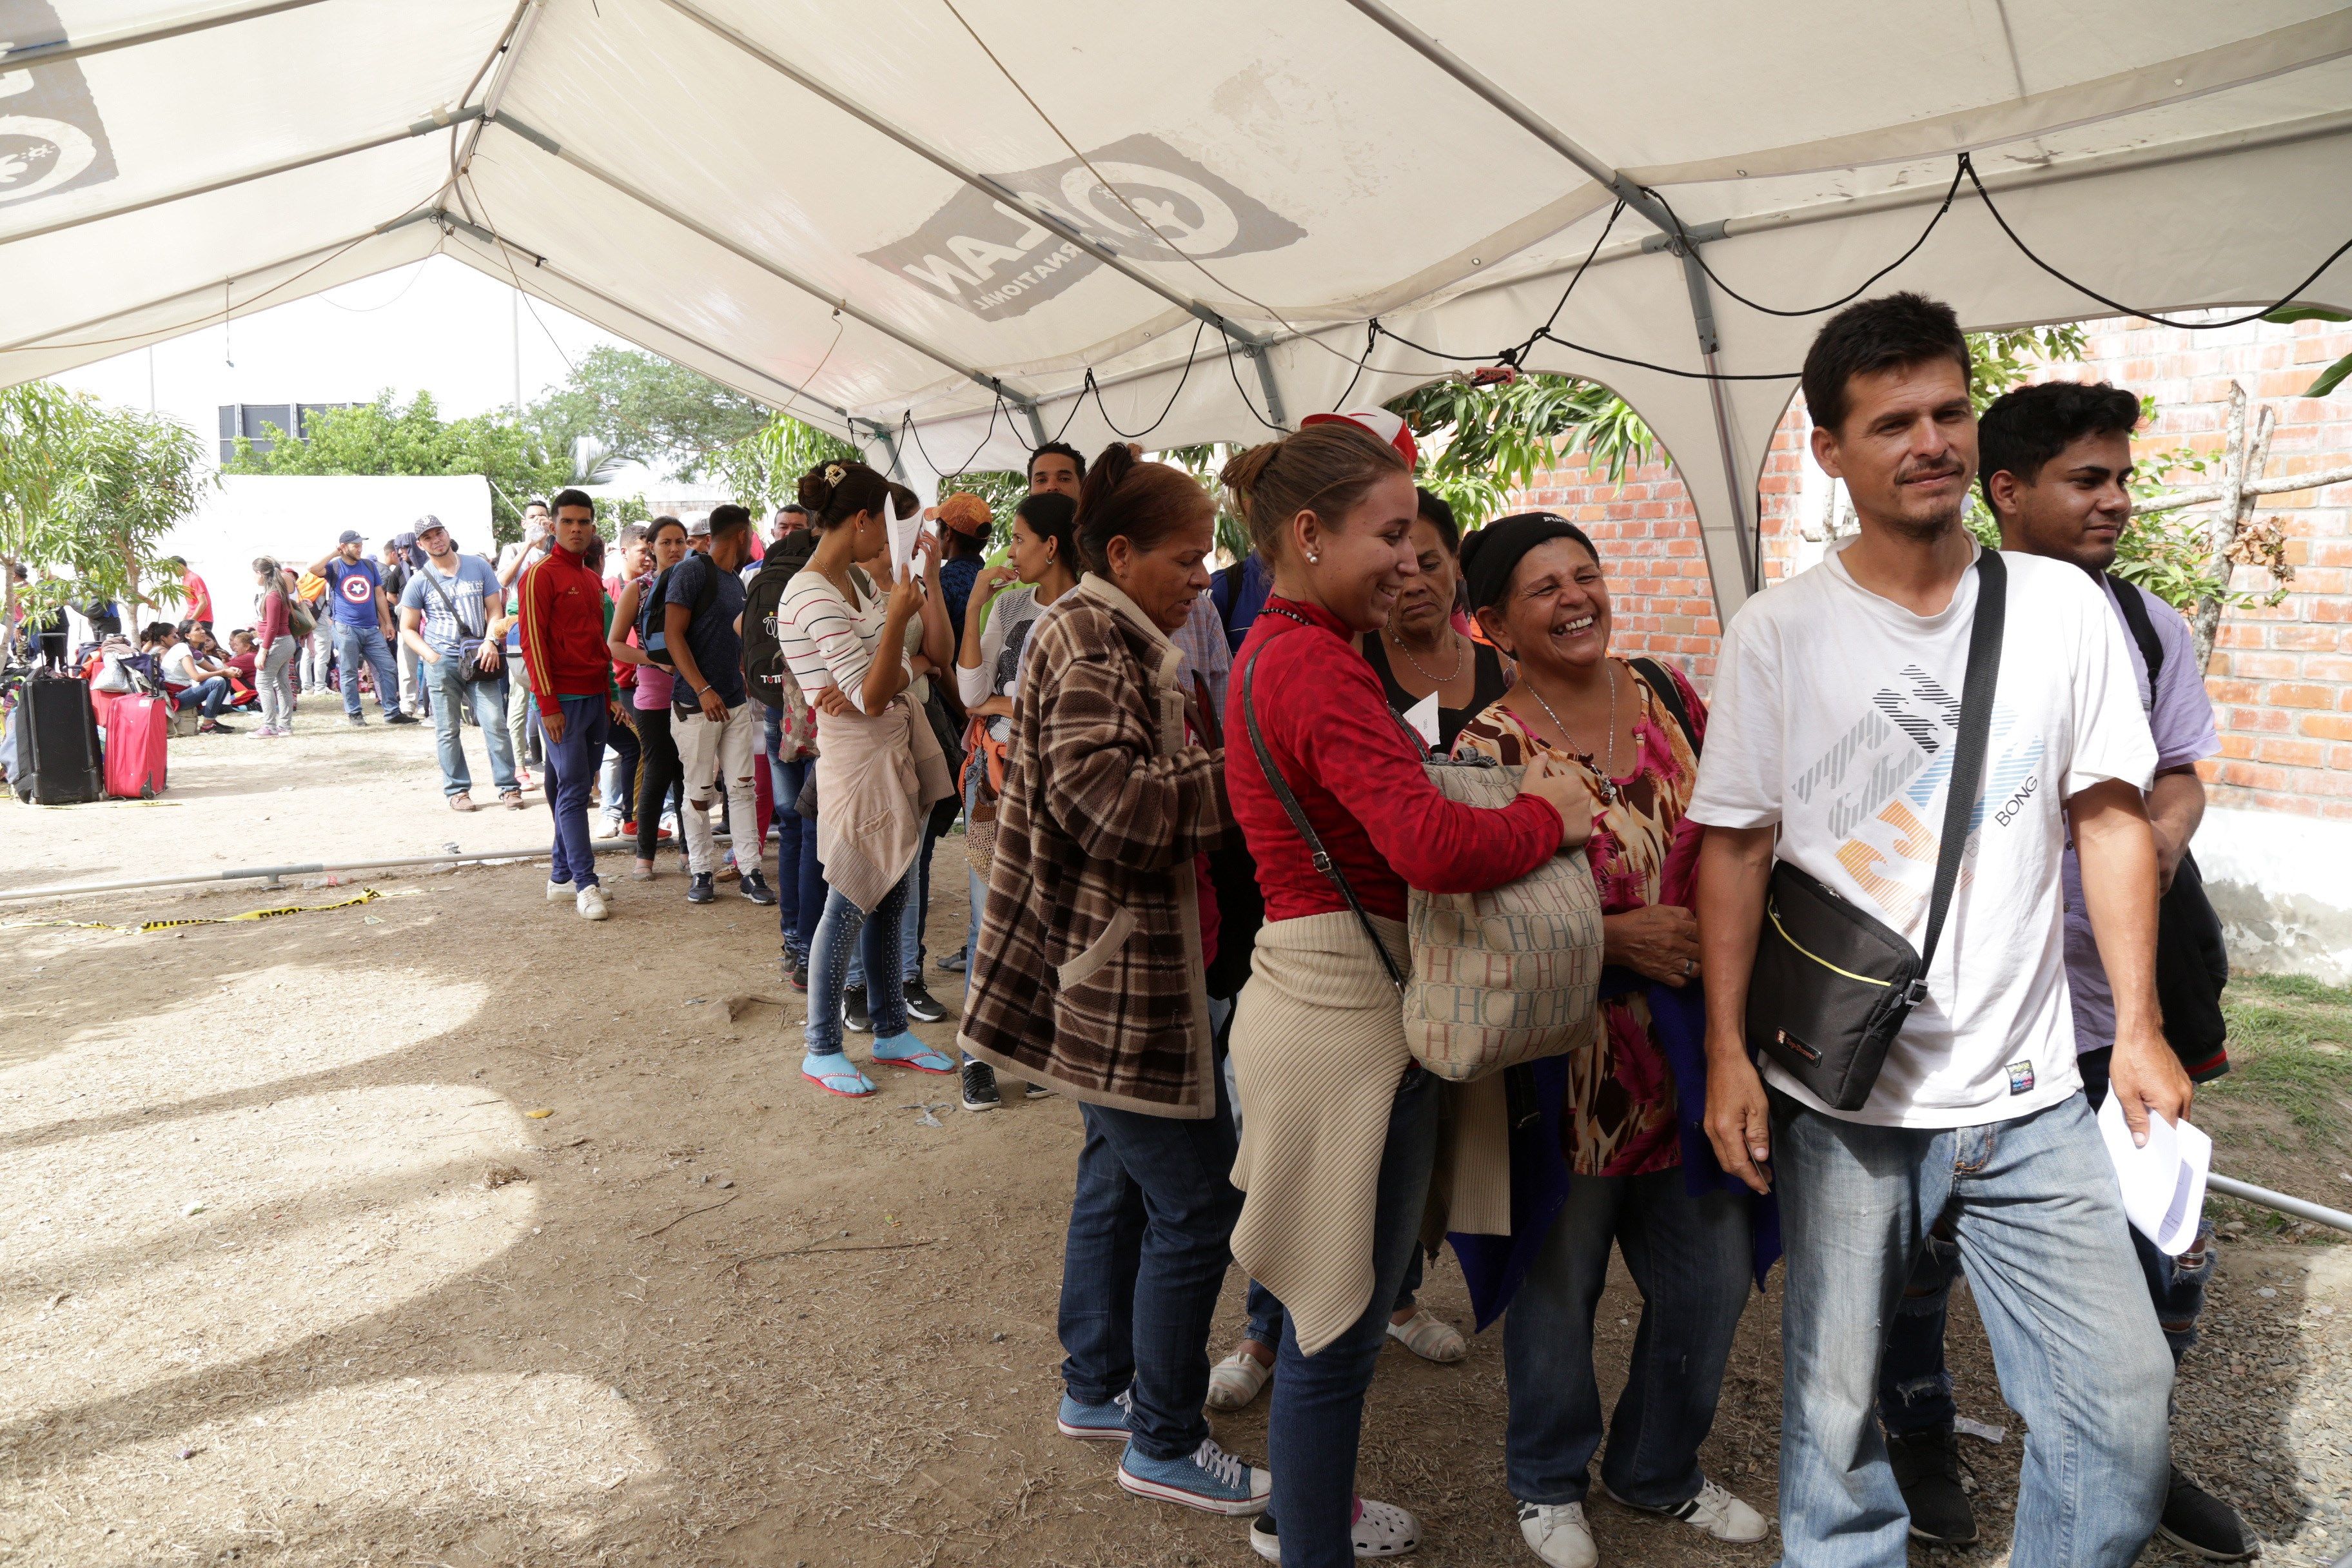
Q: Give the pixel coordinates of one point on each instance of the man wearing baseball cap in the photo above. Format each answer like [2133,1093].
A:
[362,617]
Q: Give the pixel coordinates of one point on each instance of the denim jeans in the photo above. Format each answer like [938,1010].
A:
[910,920]
[2033,1208]
[1149,1239]
[570,771]
[452,695]
[1689,1257]
[1914,1390]
[1265,1314]
[354,645]
[1318,1416]
[209,692]
[800,879]
[837,933]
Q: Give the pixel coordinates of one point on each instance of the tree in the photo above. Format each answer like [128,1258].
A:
[645,407]
[387,437]
[1484,437]
[764,467]
[87,493]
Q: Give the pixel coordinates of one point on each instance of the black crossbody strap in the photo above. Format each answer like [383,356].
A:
[1968,749]
[1323,861]
[1656,675]
[2129,599]
[447,604]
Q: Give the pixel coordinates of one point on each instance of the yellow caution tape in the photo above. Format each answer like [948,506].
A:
[369,897]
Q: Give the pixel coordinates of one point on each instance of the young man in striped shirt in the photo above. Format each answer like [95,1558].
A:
[561,609]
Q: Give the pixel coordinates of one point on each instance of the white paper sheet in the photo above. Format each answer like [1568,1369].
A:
[904,531]
[1423,717]
[2164,1180]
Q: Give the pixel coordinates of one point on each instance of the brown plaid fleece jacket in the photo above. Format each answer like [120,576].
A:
[1089,972]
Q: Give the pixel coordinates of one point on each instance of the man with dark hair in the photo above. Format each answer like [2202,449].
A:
[1058,466]
[1831,745]
[446,619]
[791,518]
[711,718]
[2054,462]
[363,626]
[197,603]
[537,539]
[562,617]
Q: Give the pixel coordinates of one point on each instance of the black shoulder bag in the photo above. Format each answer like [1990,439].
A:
[1832,985]
[2192,960]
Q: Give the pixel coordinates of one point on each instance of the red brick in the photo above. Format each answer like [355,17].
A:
[2326,726]
[2289,694]
[2293,754]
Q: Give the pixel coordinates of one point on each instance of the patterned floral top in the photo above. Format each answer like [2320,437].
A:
[1620,1118]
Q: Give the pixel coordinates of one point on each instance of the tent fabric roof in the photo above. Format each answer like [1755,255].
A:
[948,228]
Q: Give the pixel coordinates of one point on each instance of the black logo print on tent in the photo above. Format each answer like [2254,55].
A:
[51,138]
[990,259]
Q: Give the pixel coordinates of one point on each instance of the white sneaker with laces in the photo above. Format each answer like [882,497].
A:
[558,891]
[590,902]
[1557,1533]
[1713,1510]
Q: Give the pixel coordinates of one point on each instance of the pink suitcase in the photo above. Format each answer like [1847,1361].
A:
[137,732]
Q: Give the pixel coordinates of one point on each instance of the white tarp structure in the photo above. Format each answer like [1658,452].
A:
[941,225]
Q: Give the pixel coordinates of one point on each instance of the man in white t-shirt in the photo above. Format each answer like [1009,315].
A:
[1829,745]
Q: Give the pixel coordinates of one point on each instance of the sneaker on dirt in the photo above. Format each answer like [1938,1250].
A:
[854,1015]
[2196,1519]
[698,889]
[1209,1480]
[921,1005]
[754,887]
[980,1087]
[1928,1471]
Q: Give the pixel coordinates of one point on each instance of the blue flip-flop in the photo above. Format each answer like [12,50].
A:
[905,1050]
[836,1075]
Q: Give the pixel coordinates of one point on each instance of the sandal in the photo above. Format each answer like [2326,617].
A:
[1237,1380]
[1430,1337]
[907,1051]
[836,1074]
[643,871]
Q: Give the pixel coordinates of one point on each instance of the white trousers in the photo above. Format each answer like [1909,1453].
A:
[713,757]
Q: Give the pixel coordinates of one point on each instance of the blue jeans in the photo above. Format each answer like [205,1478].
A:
[354,644]
[571,774]
[1265,1314]
[910,920]
[800,878]
[1317,1415]
[1914,1390]
[2033,1208]
[210,692]
[1688,1255]
[452,694]
[1151,1236]
[838,933]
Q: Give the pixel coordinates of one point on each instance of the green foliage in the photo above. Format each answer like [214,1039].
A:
[1481,444]
[2004,360]
[642,407]
[87,491]
[387,437]
[2290,1049]
[2333,376]
[764,468]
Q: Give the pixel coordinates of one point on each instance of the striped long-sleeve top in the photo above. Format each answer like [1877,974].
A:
[561,608]
[823,640]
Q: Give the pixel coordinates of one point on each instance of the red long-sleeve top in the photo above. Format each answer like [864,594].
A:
[275,622]
[562,607]
[1358,777]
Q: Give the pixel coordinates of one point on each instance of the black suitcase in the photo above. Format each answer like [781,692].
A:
[58,736]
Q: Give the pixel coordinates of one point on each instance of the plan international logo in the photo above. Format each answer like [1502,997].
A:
[990,259]
[51,139]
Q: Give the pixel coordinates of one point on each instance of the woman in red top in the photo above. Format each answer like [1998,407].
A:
[1338,1125]
[274,640]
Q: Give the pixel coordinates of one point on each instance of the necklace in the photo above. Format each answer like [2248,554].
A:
[1425,675]
[1603,771]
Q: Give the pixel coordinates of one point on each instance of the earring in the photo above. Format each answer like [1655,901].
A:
[1314,557]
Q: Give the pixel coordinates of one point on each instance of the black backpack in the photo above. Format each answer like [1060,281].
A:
[764,654]
[653,639]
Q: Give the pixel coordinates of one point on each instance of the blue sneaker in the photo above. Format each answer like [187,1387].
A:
[1104,1423]
[1211,1480]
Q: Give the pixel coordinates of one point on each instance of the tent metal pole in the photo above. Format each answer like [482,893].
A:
[646,199]
[422,128]
[130,38]
[41,340]
[1025,207]
[1274,408]
[881,433]
[2301,1208]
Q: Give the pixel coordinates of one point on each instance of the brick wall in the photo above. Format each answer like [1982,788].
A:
[1660,598]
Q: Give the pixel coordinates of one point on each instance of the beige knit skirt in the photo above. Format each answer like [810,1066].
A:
[1318,1049]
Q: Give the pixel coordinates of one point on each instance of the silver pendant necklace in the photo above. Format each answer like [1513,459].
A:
[1603,771]
[1425,675]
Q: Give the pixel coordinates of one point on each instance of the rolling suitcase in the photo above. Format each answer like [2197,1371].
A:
[137,734]
[60,735]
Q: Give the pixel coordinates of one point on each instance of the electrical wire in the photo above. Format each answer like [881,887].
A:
[906,425]
[1549,336]
[1183,376]
[416,272]
[1578,276]
[1691,249]
[1237,372]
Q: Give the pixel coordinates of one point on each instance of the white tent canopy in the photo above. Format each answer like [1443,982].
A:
[951,227]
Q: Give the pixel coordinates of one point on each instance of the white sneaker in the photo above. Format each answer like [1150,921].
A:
[1237,1380]
[1430,1337]
[558,891]
[1557,1533]
[590,902]
[1713,1510]
[1381,1529]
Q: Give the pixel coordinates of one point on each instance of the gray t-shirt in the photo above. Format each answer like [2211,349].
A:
[460,606]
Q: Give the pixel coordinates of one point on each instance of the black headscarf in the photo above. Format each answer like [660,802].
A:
[1490,554]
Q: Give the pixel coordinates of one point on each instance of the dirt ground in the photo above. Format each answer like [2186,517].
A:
[447,1229]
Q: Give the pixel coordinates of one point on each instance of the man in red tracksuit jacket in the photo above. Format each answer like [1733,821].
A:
[561,610]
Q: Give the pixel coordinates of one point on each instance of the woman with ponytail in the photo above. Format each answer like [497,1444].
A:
[1087,976]
[1339,1126]
[878,768]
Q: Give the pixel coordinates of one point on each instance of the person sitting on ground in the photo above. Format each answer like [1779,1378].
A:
[713,724]
[191,682]
[1537,588]
[243,664]
[445,615]
[878,768]
[1339,1128]
[563,610]
[1111,802]
[650,692]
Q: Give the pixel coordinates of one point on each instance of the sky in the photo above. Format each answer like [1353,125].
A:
[436,326]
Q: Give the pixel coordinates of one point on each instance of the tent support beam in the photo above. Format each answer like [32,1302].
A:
[646,199]
[986,184]
[1650,209]
[130,38]
[422,128]
[881,434]
[1274,408]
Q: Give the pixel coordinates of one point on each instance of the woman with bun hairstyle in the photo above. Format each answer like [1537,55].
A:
[1339,1124]
[1088,976]
[878,768]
